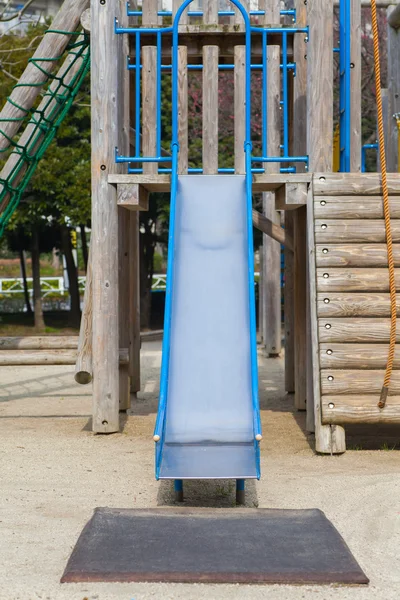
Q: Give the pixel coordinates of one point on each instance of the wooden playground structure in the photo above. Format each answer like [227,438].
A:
[336,301]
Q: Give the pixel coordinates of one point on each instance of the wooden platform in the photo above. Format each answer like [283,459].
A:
[350,288]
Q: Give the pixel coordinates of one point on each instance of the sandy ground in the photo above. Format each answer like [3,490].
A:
[54,472]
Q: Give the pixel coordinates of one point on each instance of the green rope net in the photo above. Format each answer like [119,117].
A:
[43,121]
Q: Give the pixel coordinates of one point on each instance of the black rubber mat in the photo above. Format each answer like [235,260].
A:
[214,546]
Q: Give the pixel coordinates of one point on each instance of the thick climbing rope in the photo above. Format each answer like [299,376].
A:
[44,120]
[386,209]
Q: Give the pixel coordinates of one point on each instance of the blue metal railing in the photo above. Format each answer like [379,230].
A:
[364,150]
[286,161]
[345,83]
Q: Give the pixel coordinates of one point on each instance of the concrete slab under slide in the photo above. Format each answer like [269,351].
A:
[212,546]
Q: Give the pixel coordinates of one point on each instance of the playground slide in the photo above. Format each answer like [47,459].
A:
[208,425]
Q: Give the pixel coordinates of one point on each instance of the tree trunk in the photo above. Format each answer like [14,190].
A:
[25,283]
[84,247]
[72,271]
[37,294]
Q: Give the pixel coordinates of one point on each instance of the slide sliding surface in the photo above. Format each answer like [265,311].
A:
[210,414]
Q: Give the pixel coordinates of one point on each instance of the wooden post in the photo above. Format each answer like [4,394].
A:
[107,133]
[355,109]
[210,95]
[51,46]
[134,302]
[149,90]
[289,306]
[84,361]
[329,438]
[272,334]
[124,303]
[183,124]
[240,98]
[393,37]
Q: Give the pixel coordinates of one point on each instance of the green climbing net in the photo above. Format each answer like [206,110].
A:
[43,121]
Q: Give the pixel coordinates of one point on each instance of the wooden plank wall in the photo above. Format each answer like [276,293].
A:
[351,300]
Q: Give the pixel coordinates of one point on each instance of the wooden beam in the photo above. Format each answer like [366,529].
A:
[357,184]
[291,196]
[51,342]
[124,304]
[48,357]
[107,133]
[132,196]
[289,306]
[355,408]
[271,229]
[354,304]
[33,78]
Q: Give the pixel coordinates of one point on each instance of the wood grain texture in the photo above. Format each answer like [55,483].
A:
[150,12]
[344,304]
[272,334]
[152,183]
[355,82]
[357,184]
[272,12]
[329,439]
[358,330]
[52,45]
[183,115]
[210,11]
[47,357]
[338,279]
[269,182]
[108,131]
[123,304]
[393,46]
[134,302]
[240,104]
[300,49]
[356,356]
[354,207]
[300,303]
[132,197]
[48,342]
[273,230]
[360,409]
[357,381]
[320,85]
[291,196]
[289,308]
[353,231]
[84,360]
[355,255]
[210,110]
[149,107]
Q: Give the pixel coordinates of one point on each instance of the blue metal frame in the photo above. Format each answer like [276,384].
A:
[283,159]
[345,83]
[364,154]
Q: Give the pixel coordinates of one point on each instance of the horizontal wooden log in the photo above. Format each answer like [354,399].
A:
[354,207]
[152,183]
[355,255]
[343,410]
[354,184]
[39,343]
[272,230]
[345,231]
[336,279]
[370,330]
[46,357]
[342,304]
[269,182]
[357,381]
[356,356]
